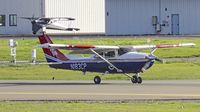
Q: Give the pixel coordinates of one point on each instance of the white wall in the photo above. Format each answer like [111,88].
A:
[89,14]
[23,8]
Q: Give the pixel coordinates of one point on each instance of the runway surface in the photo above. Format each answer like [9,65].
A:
[107,91]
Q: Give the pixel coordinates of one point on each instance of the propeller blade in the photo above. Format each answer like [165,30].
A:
[160,60]
[153,57]
[29,18]
[72,29]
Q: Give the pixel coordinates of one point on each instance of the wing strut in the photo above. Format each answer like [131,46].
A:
[153,50]
[118,70]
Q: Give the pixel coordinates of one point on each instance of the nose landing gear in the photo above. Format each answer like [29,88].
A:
[136,79]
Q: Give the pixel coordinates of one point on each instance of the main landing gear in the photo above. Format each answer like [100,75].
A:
[136,79]
[97,80]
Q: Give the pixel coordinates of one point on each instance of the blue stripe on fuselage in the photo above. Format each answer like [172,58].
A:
[50,60]
[102,67]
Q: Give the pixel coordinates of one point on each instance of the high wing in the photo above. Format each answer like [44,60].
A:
[80,49]
[86,49]
[141,47]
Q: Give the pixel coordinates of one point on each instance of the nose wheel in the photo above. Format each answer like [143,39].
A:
[136,79]
[97,80]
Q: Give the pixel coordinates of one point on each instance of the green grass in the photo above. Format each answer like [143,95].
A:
[26,45]
[173,71]
[99,107]
[168,71]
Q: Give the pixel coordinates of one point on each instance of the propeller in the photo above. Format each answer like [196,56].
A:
[153,57]
[35,26]
[160,60]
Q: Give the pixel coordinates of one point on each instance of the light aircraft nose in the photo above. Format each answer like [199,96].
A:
[151,57]
[147,65]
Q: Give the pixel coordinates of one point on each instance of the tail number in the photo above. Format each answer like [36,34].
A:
[78,66]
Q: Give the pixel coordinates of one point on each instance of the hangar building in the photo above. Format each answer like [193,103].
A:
[110,17]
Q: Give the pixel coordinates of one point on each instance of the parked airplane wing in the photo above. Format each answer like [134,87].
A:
[61,18]
[49,18]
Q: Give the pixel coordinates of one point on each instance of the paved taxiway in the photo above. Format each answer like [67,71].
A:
[108,90]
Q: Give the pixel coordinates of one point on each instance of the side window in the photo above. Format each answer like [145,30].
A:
[122,51]
[13,19]
[110,54]
[2,20]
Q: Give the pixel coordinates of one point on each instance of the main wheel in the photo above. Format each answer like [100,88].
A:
[134,79]
[139,80]
[97,80]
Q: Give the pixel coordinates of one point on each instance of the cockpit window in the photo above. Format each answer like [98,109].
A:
[112,54]
[122,51]
[109,54]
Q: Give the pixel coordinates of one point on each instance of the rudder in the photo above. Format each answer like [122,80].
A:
[52,55]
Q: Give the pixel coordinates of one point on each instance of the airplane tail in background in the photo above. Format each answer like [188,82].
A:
[52,55]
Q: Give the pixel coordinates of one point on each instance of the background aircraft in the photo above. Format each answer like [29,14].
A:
[104,59]
[49,23]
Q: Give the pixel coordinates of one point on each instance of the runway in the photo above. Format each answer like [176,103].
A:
[107,91]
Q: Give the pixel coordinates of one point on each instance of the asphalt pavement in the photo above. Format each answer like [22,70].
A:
[107,91]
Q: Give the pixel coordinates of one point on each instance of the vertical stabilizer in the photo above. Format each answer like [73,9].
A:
[52,55]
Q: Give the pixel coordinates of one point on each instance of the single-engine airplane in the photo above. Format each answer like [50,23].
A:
[49,23]
[103,59]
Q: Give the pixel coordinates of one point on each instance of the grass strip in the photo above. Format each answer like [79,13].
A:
[99,107]
[168,71]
